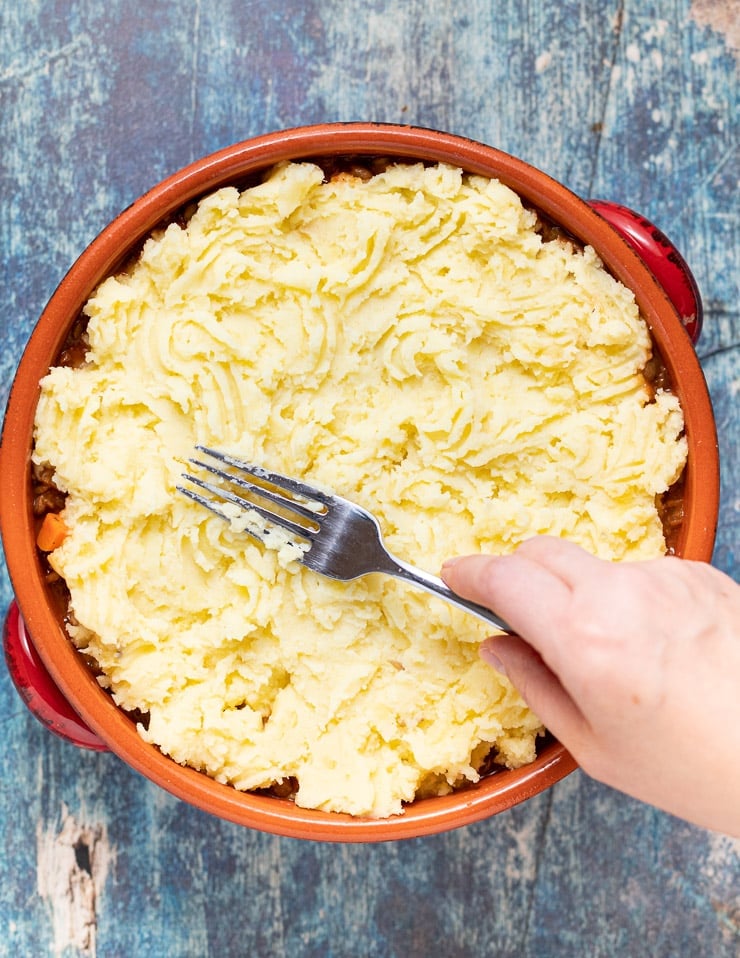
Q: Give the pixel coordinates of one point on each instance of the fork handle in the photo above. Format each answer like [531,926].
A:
[433,584]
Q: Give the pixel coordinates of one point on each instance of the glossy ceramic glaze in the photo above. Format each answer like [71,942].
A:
[37,688]
[663,259]
[40,615]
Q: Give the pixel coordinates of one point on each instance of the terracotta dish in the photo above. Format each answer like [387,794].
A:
[52,676]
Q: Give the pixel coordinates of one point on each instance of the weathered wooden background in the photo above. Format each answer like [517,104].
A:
[621,99]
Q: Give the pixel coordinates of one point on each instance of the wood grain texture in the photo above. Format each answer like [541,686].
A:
[619,99]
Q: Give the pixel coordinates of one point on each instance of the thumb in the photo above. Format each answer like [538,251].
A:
[523,591]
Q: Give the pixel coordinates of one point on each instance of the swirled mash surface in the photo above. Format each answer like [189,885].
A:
[413,343]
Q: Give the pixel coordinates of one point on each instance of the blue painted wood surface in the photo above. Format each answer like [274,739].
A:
[620,99]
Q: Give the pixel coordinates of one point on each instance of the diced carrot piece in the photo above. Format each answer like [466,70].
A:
[52,532]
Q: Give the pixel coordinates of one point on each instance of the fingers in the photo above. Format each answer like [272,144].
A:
[539,687]
[533,589]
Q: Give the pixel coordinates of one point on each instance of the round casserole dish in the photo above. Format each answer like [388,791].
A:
[38,617]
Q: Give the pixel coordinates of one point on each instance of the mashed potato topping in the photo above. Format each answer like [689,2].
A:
[411,342]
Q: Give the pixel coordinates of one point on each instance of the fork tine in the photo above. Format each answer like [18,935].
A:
[287,483]
[295,528]
[201,500]
[278,498]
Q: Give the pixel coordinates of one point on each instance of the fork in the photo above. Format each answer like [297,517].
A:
[344,540]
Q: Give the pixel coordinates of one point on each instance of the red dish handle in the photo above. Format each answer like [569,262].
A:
[37,688]
[661,257]
[30,677]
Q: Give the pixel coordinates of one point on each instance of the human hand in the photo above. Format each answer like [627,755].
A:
[634,666]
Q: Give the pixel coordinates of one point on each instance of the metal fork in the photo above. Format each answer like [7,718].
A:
[344,540]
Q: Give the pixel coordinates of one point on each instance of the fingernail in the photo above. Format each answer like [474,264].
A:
[449,563]
[489,656]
